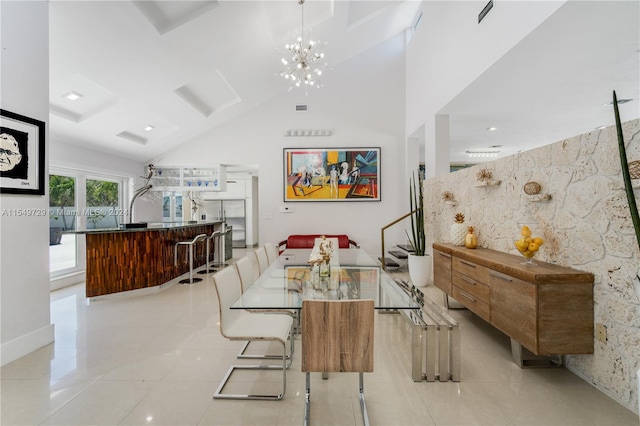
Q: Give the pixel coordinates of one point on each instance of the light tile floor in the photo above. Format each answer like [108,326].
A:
[158,359]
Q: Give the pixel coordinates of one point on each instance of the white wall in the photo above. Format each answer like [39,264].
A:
[81,158]
[24,240]
[147,209]
[450,49]
[363,104]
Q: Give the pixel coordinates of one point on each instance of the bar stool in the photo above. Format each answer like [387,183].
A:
[191,246]
[214,235]
[221,239]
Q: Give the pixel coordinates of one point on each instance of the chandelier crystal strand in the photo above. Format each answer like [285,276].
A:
[305,64]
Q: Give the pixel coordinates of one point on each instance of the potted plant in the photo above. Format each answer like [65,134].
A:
[419,261]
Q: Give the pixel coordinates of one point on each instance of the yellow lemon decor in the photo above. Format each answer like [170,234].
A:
[528,246]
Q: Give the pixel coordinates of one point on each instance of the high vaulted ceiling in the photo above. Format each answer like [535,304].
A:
[184,67]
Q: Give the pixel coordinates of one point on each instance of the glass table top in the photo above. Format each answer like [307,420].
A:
[354,275]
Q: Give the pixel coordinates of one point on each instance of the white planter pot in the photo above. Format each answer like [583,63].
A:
[420,269]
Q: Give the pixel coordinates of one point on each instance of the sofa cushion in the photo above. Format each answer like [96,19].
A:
[308,241]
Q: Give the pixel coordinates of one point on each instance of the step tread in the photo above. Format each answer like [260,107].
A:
[399,254]
[388,262]
[405,247]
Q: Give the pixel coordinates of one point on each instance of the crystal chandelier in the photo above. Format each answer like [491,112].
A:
[304,65]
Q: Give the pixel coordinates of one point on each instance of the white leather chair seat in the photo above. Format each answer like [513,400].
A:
[250,326]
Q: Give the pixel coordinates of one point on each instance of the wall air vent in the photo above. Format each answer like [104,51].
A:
[485,10]
[302,107]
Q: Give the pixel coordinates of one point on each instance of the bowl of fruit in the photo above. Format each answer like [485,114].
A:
[528,245]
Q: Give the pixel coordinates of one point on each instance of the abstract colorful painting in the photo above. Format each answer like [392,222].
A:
[332,174]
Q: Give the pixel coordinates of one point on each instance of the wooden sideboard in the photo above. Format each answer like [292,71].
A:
[546,308]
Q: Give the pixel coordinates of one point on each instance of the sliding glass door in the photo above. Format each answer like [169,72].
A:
[63,212]
[79,200]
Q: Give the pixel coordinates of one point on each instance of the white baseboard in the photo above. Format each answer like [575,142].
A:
[23,345]
[67,280]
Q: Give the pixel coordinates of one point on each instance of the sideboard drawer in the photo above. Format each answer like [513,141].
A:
[472,303]
[471,286]
[470,269]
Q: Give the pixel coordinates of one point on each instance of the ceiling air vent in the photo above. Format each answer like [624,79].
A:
[484,11]
[302,107]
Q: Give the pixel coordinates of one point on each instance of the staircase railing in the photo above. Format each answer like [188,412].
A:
[384,266]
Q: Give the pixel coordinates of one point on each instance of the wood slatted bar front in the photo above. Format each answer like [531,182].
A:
[132,259]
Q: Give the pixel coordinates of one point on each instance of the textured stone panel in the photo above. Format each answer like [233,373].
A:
[586,225]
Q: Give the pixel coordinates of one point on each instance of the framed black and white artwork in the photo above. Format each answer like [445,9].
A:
[22,167]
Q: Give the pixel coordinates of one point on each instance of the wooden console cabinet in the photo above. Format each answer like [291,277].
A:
[546,308]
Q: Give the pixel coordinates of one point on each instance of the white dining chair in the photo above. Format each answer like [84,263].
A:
[236,324]
[272,253]
[245,269]
[246,272]
[263,260]
[337,336]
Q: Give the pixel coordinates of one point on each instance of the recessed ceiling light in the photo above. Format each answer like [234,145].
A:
[620,101]
[149,128]
[601,127]
[482,153]
[491,129]
[73,96]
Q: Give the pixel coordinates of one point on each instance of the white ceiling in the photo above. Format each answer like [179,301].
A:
[187,66]
[554,83]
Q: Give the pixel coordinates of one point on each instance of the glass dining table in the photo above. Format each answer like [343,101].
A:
[354,274]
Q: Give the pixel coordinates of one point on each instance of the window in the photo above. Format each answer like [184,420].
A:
[62,217]
[103,201]
[78,199]
[171,207]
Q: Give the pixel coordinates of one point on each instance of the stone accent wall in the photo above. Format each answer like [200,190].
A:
[586,225]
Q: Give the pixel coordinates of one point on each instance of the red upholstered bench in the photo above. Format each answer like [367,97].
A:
[307,241]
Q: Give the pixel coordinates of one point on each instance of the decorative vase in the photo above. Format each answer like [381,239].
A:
[419,269]
[324,270]
[470,240]
[528,244]
[458,230]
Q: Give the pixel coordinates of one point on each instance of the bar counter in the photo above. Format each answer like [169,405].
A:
[134,258]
